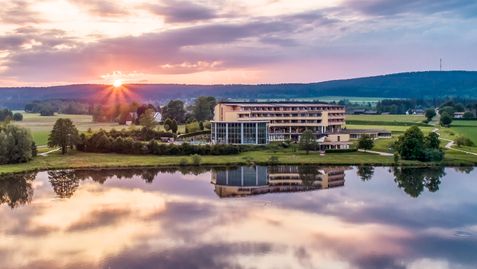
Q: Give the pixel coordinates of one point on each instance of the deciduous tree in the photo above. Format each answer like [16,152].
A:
[307,141]
[64,135]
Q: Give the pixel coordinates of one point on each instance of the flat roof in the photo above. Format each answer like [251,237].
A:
[277,103]
[364,131]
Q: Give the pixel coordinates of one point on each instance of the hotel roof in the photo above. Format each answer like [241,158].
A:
[282,103]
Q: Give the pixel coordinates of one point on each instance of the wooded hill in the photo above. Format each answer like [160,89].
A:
[403,85]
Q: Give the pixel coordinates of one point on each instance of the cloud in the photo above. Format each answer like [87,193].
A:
[18,12]
[102,8]
[173,51]
[462,8]
[182,11]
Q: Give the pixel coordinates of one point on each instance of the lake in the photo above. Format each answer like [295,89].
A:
[240,217]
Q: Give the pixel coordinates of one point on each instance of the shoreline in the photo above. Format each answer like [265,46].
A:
[79,160]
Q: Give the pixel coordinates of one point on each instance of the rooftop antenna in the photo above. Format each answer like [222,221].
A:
[440,64]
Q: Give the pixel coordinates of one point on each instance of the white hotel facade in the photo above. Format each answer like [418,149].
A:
[262,122]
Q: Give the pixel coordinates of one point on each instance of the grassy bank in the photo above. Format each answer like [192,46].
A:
[285,156]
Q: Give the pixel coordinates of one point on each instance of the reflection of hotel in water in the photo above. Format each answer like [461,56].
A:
[244,181]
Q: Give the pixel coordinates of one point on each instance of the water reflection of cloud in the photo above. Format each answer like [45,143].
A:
[202,256]
[174,223]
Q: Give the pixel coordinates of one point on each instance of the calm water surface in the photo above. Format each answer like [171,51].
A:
[244,217]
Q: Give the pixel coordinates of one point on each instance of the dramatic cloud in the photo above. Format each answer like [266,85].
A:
[18,12]
[102,8]
[182,41]
[426,7]
[182,11]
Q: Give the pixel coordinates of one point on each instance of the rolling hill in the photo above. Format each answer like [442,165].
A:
[402,85]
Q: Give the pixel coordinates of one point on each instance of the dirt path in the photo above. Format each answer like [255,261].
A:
[376,152]
[450,144]
[44,154]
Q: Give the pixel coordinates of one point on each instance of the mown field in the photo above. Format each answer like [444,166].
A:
[40,126]
[386,120]
[398,124]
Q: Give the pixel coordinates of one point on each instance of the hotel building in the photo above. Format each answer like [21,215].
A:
[262,122]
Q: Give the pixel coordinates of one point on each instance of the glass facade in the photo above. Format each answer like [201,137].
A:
[251,133]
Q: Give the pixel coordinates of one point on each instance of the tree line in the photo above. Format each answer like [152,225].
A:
[6,115]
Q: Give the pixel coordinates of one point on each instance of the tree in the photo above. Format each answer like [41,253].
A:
[47,110]
[147,119]
[432,140]
[203,108]
[64,135]
[468,115]
[446,119]
[173,126]
[447,109]
[167,124]
[5,114]
[17,117]
[146,108]
[15,144]
[410,145]
[414,146]
[430,113]
[174,110]
[366,142]
[307,141]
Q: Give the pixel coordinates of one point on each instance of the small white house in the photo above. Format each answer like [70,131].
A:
[459,115]
[157,117]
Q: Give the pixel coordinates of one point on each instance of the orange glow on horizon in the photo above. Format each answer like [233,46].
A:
[117,94]
[117,83]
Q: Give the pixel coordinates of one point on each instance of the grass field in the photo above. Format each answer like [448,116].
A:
[97,160]
[285,156]
[40,126]
[466,128]
[385,120]
[398,124]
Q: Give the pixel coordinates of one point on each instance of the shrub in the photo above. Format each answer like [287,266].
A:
[432,155]
[366,142]
[463,141]
[196,159]
[340,150]
[183,162]
[467,115]
[248,160]
[17,117]
[446,119]
[273,160]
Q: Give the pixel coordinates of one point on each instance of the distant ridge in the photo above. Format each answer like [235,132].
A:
[428,84]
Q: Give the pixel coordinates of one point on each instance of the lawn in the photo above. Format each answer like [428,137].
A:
[386,120]
[97,160]
[466,128]
[285,156]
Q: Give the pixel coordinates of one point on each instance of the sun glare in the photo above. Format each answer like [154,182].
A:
[117,83]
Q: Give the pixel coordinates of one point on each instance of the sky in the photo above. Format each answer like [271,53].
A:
[55,42]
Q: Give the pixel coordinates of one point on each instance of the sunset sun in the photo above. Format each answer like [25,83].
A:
[117,83]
